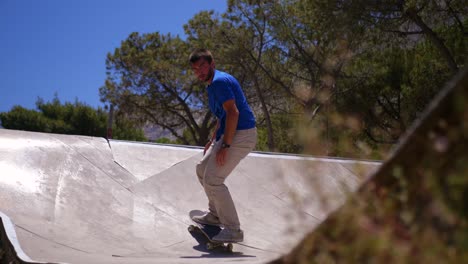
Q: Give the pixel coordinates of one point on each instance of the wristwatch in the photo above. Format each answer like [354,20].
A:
[224,145]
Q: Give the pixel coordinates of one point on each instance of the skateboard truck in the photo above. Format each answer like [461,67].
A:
[209,231]
[211,244]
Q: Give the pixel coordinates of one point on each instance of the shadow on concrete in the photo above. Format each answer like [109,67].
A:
[220,252]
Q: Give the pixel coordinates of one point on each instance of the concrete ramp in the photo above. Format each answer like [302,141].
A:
[76,199]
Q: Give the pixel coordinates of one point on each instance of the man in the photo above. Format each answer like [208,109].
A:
[235,136]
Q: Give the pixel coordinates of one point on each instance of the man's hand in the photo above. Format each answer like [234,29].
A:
[221,156]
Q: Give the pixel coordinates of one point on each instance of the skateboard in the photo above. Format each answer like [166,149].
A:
[209,231]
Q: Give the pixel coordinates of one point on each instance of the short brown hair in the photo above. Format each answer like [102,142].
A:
[200,54]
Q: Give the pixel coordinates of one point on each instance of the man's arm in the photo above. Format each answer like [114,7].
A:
[232,117]
[213,137]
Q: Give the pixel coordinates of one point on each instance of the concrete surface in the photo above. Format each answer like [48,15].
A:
[76,199]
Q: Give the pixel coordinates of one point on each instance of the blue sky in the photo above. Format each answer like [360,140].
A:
[60,46]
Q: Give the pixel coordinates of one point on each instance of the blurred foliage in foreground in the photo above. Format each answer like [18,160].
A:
[69,118]
[415,208]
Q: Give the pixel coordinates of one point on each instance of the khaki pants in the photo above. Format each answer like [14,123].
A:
[212,176]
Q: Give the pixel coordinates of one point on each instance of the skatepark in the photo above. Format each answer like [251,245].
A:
[78,199]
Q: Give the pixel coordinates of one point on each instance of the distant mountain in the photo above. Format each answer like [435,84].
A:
[153,132]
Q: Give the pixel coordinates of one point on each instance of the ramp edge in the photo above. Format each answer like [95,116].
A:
[10,249]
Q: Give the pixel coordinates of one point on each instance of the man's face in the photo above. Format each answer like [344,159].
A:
[203,70]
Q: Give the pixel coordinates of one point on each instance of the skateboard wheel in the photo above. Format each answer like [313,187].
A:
[210,246]
[191,228]
[230,247]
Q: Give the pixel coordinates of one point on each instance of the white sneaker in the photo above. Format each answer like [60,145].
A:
[207,219]
[229,235]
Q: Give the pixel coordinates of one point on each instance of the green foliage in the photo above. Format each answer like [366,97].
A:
[69,118]
[285,137]
[148,79]
[24,119]
[376,63]
[125,129]
[164,140]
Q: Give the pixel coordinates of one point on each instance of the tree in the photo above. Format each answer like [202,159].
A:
[322,43]
[238,41]
[149,80]
[405,58]
[69,118]
[247,34]
[356,70]
[284,47]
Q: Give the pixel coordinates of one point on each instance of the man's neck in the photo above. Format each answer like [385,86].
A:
[211,78]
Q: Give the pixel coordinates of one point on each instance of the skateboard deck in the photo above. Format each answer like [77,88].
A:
[209,231]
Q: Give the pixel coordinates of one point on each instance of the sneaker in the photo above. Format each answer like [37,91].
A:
[207,219]
[229,235]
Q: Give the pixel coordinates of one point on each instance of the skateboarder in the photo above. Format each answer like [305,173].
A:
[234,137]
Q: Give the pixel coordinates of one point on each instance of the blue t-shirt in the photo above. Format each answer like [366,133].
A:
[225,87]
